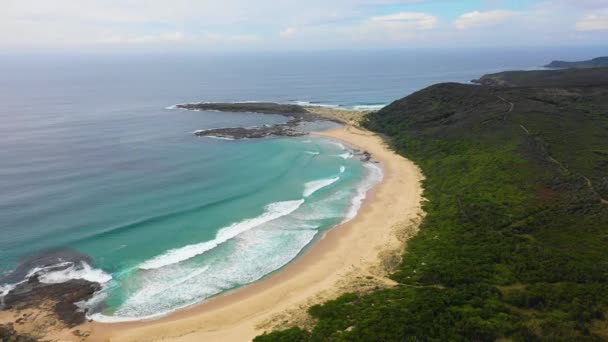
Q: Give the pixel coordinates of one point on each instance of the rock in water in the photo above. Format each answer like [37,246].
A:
[59,298]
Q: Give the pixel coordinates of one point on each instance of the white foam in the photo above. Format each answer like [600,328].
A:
[311,104]
[253,255]
[74,271]
[342,169]
[346,155]
[171,107]
[219,137]
[154,288]
[314,186]
[374,176]
[45,269]
[311,152]
[370,107]
[272,212]
[211,136]
[340,106]
[337,143]
[6,288]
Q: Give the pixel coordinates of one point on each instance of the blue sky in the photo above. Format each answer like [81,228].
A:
[292,24]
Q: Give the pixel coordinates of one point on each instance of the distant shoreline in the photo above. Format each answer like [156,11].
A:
[350,257]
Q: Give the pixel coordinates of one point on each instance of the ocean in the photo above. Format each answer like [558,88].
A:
[102,175]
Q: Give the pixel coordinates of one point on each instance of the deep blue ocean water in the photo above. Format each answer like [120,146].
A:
[93,159]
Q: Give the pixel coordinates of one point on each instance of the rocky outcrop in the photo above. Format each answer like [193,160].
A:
[59,298]
[296,114]
[252,107]
[55,299]
[9,334]
[288,129]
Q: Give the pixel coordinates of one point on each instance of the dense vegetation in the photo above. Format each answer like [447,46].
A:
[514,242]
[547,78]
[600,62]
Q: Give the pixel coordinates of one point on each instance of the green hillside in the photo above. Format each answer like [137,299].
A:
[547,78]
[514,242]
[600,62]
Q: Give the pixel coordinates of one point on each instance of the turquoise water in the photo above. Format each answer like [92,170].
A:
[165,218]
[97,175]
[255,213]
[169,219]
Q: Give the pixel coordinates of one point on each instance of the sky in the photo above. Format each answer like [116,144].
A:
[300,25]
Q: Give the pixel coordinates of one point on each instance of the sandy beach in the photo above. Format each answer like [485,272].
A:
[353,257]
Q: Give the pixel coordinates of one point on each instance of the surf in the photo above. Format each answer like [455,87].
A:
[314,186]
[374,176]
[272,212]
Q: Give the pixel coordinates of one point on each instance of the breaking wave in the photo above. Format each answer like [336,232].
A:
[272,212]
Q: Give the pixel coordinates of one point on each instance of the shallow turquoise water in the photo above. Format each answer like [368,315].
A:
[169,219]
[251,216]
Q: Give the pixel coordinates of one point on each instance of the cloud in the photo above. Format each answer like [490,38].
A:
[208,38]
[166,37]
[480,19]
[593,22]
[291,23]
[288,32]
[400,26]
[582,4]
[404,21]
[220,38]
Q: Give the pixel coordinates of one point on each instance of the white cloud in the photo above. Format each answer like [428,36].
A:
[480,19]
[402,26]
[582,4]
[288,23]
[288,32]
[593,22]
[404,21]
[166,37]
[219,38]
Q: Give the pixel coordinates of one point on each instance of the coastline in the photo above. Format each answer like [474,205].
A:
[351,257]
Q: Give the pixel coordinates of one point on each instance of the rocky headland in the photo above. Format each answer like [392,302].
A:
[33,309]
[296,114]
[251,107]
[288,129]
[546,78]
[600,62]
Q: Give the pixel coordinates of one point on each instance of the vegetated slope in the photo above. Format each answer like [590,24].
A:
[600,62]
[547,78]
[514,242]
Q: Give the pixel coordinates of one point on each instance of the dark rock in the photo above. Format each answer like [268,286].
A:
[297,114]
[285,130]
[8,333]
[363,156]
[61,258]
[254,107]
[33,293]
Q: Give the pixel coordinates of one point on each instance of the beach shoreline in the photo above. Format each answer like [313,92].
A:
[351,257]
